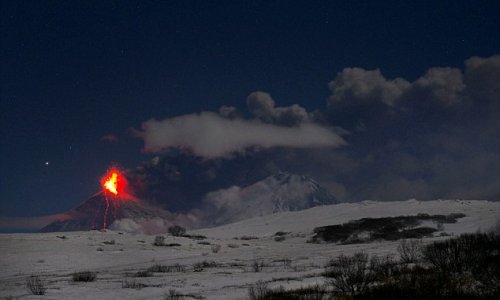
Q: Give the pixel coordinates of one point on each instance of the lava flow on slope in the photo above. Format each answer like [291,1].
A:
[114,186]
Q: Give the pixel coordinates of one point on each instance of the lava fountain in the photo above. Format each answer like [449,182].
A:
[114,186]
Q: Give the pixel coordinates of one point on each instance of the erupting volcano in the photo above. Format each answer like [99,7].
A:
[113,202]
[114,188]
[115,183]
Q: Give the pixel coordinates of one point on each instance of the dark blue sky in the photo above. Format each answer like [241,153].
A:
[74,71]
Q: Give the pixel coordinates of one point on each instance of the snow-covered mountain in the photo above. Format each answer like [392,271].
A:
[100,212]
[278,193]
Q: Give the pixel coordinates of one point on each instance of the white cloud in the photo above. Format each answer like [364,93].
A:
[482,77]
[209,135]
[262,106]
[358,86]
[444,85]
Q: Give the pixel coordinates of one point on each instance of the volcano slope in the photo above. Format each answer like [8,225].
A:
[101,210]
[272,249]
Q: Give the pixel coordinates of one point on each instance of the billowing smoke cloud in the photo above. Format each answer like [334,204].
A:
[432,137]
[210,135]
[435,137]
[230,112]
[262,106]
[153,225]
[440,85]
[357,86]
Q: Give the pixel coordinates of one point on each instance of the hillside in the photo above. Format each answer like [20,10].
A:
[203,270]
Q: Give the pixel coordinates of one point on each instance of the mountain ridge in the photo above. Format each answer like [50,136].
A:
[277,193]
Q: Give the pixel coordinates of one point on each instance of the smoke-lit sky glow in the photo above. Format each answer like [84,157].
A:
[384,101]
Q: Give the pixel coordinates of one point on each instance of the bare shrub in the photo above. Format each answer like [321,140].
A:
[466,267]
[287,262]
[158,268]
[248,238]
[258,291]
[201,265]
[470,260]
[216,248]
[350,274]
[176,230]
[198,267]
[440,226]
[132,284]
[383,268]
[36,285]
[146,273]
[257,265]
[159,240]
[410,251]
[279,238]
[173,295]
[85,276]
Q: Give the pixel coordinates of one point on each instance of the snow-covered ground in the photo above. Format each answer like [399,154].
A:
[291,263]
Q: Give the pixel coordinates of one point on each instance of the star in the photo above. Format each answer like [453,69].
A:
[47,163]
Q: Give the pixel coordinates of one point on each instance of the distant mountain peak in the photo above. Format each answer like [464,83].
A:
[280,192]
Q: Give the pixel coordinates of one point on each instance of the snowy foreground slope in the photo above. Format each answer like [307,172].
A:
[227,273]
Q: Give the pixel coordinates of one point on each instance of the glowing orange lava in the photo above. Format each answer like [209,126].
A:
[111,184]
[114,183]
[114,186]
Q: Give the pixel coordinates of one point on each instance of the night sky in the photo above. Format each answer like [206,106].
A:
[77,77]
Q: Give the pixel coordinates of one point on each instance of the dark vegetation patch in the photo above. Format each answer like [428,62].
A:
[466,267]
[177,230]
[387,228]
[279,238]
[248,238]
[133,284]
[35,285]
[145,273]
[260,291]
[158,268]
[281,233]
[159,241]
[202,265]
[173,294]
[194,236]
[85,276]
